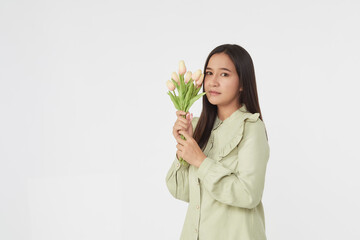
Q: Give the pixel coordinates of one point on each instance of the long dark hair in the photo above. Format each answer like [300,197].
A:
[245,69]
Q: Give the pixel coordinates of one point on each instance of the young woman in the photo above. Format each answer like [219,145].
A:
[228,153]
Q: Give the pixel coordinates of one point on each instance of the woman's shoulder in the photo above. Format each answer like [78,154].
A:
[254,126]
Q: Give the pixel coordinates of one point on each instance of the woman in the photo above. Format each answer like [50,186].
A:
[228,153]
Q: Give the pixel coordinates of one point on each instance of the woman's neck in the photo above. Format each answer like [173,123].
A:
[225,112]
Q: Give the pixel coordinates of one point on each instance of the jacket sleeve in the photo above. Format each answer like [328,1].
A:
[244,186]
[177,181]
[177,177]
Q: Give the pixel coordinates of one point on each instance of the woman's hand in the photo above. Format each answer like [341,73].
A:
[182,124]
[189,149]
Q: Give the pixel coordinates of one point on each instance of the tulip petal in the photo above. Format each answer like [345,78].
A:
[182,67]
[196,74]
[170,85]
[175,76]
[187,76]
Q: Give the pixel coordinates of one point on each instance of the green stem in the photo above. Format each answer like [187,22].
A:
[182,161]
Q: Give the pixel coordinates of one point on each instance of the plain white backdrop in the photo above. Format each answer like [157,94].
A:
[86,124]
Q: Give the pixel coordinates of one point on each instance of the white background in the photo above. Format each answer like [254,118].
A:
[86,124]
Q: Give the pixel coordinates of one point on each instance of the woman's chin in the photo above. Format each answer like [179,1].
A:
[213,102]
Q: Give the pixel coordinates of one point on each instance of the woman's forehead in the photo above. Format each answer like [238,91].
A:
[220,61]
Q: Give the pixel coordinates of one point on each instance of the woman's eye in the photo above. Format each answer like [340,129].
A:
[207,73]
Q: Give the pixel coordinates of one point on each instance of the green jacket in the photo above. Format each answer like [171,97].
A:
[225,192]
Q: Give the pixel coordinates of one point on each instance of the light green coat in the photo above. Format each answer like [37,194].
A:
[225,192]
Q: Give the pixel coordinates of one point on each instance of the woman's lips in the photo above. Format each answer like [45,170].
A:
[214,93]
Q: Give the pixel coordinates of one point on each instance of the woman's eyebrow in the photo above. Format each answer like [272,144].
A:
[220,68]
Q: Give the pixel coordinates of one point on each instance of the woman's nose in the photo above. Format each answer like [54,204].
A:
[214,81]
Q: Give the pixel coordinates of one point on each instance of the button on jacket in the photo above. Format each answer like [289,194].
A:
[224,193]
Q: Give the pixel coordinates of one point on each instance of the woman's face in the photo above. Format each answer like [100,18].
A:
[221,77]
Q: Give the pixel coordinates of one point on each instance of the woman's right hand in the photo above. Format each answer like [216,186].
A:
[182,124]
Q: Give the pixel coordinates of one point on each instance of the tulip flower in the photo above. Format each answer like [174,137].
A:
[196,75]
[175,77]
[200,81]
[170,85]
[187,76]
[187,90]
[182,68]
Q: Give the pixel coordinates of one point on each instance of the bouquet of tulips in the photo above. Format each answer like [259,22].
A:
[187,91]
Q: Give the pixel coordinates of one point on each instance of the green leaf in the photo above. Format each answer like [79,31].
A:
[176,84]
[173,100]
[182,83]
[187,94]
[193,94]
[190,82]
[195,98]
[188,85]
[181,101]
[197,90]
[176,99]
[188,97]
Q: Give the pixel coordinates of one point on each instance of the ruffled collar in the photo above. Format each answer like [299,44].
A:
[235,115]
[230,131]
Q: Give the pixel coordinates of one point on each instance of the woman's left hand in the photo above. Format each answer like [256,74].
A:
[189,150]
